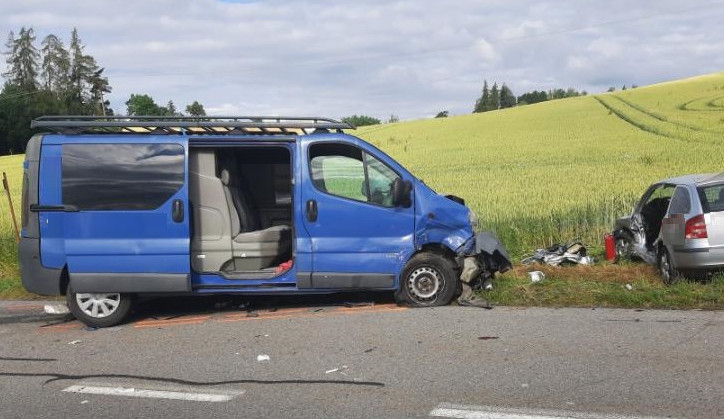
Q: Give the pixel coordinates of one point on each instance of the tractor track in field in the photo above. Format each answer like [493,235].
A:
[650,127]
[710,104]
[663,118]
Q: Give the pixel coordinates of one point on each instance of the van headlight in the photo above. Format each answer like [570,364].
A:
[472,220]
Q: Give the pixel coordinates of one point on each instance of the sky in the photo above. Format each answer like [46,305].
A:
[380,58]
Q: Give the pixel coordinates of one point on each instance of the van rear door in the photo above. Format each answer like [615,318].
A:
[126,215]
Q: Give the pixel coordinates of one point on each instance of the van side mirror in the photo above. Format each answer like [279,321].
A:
[401,190]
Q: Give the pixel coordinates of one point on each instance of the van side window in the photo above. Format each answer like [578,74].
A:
[338,169]
[347,171]
[99,177]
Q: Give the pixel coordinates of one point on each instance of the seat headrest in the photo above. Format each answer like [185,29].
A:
[225,177]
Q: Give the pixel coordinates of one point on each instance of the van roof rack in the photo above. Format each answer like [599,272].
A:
[186,125]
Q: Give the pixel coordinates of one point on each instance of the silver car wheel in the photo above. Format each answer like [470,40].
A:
[425,283]
[98,305]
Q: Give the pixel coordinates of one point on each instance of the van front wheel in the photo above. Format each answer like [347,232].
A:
[99,309]
[428,280]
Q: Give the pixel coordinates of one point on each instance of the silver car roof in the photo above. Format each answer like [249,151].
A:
[700,179]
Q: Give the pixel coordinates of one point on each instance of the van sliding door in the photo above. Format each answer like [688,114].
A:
[126,214]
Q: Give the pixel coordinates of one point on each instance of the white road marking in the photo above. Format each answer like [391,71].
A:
[447,410]
[153,394]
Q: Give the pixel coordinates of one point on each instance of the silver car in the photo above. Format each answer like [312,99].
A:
[678,225]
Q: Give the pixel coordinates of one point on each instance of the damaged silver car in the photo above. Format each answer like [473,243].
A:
[678,225]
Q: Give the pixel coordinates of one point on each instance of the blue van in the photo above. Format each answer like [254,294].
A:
[115,207]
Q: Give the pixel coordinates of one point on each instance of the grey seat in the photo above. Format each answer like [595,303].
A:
[253,248]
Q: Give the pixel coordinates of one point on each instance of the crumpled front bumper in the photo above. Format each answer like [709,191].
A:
[482,256]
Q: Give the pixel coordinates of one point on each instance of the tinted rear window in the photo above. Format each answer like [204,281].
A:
[712,198]
[121,176]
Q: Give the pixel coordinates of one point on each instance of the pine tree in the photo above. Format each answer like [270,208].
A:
[23,60]
[507,98]
[494,98]
[82,68]
[98,86]
[480,104]
[56,65]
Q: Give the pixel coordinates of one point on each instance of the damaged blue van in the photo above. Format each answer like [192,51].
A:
[116,207]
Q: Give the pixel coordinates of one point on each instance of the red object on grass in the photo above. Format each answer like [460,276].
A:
[284,267]
[610,247]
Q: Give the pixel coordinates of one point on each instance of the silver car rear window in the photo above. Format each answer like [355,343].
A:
[712,198]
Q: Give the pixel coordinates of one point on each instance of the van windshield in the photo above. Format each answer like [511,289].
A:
[712,198]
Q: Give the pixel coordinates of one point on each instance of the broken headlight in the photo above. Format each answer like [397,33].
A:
[472,220]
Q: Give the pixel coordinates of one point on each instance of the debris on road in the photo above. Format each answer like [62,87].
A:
[74,342]
[487,337]
[252,314]
[339,370]
[536,276]
[262,358]
[561,254]
[56,309]
[629,287]
[370,349]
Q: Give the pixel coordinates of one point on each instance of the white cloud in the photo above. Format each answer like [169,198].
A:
[374,56]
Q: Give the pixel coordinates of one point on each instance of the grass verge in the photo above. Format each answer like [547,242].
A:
[604,285]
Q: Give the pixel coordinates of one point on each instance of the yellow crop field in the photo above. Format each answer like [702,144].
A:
[568,168]
[536,174]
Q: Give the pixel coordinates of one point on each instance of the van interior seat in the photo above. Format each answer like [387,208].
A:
[244,223]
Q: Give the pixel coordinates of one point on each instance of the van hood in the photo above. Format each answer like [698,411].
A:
[439,219]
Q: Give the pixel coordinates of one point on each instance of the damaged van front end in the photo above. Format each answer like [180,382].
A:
[445,220]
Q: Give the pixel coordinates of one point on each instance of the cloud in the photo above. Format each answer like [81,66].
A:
[377,57]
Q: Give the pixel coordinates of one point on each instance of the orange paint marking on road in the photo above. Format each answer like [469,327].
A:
[23,307]
[177,320]
[150,326]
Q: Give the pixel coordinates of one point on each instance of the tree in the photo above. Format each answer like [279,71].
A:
[138,105]
[82,68]
[56,64]
[484,99]
[611,89]
[442,114]
[22,60]
[507,98]
[393,118]
[494,98]
[98,86]
[361,120]
[195,109]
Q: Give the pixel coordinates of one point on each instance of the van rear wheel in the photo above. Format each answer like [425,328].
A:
[99,309]
[428,280]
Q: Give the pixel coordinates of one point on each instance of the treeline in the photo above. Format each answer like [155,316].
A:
[502,97]
[53,79]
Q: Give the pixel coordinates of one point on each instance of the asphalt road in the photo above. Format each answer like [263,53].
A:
[318,358]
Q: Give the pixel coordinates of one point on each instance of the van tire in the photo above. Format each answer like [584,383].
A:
[116,316]
[428,280]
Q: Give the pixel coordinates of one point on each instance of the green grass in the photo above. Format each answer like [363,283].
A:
[546,173]
[10,286]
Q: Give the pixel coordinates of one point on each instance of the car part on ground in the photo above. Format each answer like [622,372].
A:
[573,253]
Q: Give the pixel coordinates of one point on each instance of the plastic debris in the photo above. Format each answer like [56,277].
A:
[628,287]
[561,254]
[536,276]
[262,358]
[331,371]
[339,370]
[56,309]
[84,402]
[74,342]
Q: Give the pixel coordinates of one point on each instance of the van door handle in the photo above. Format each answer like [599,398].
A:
[312,210]
[177,210]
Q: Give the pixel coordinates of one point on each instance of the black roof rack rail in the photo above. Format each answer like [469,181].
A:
[186,125]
